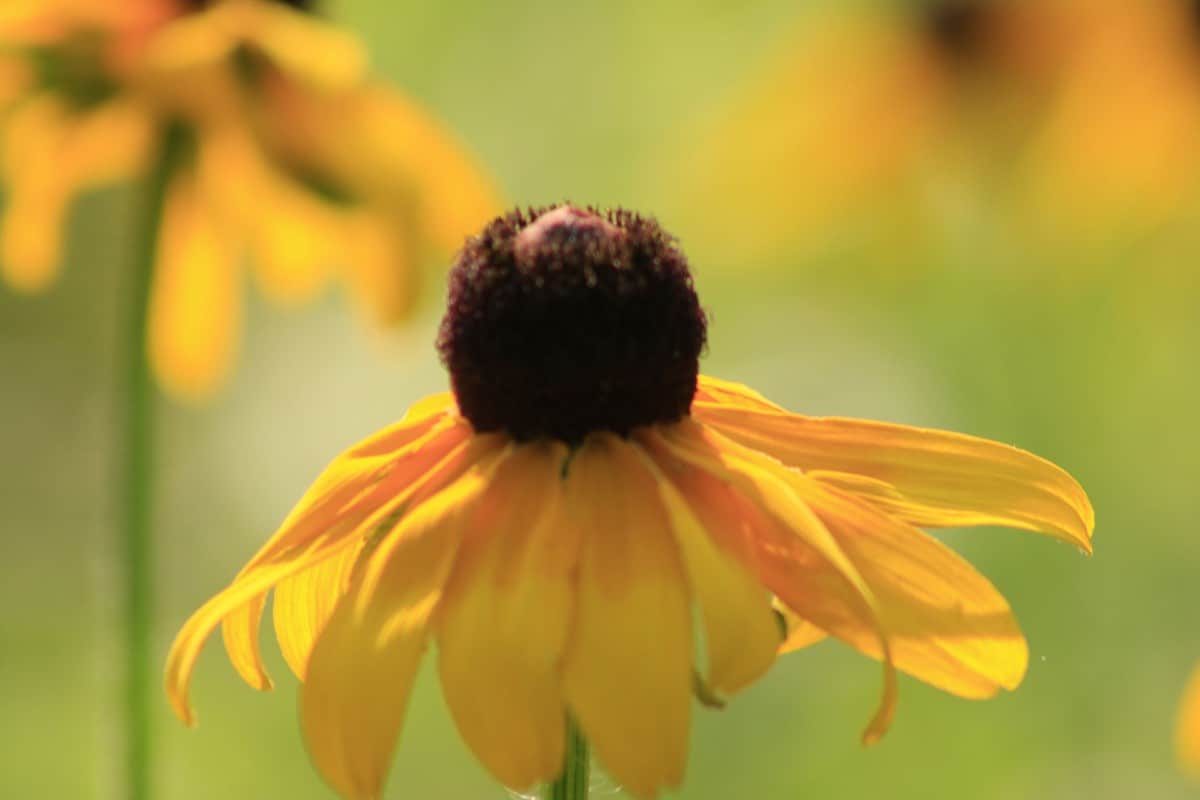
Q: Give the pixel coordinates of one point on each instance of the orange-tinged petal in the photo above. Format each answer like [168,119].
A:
[744,494]
[627,673]
[938,478]
[947,624]
[503,621]
[352,512]
[304,602]
[1187,728]
[196,296]
[362,667]
[741,631]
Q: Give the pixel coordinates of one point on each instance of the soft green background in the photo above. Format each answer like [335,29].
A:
[1089,363]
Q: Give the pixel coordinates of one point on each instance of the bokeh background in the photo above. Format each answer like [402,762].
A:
[980,220]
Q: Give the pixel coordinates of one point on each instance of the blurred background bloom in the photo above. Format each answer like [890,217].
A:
[276,113]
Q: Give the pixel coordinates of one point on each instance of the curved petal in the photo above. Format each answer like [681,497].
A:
[1187,727]
[503,620]
[304,602]
[346,516]
[741,630]
[924,477]
[196,296]
[363,665]
[627,674]
[743,493]
[947,624]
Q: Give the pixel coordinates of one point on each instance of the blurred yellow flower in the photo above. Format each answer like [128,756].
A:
[856,103]
[1119,150]
[283,161]
[554,522]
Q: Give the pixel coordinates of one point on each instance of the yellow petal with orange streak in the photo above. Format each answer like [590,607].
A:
[947,624]
[350,509]
[627,673]
[741,630]
[742,494]
[304,602]
[504,618]
[196,296]
[939,478]
[1187,727]
[362,667]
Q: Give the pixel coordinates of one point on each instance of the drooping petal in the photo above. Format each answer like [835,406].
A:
[196,296]
[741,630]
[924,477]
[744,494]
[947,624]
[628,668]
[503,621]
[304,602]
[356,510]
[362,667]
[1187,727]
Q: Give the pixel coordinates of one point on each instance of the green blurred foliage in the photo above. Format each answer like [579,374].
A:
[1089,364]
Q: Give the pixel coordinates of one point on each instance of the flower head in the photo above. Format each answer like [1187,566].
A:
[291,156]
[553,524]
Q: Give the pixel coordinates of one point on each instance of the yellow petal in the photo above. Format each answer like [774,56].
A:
[303,45]
[196,297]
[504,618]
[628,667]
[379,264]
[348,508]
[947,624]
[745,494]
[741,630]
[362,667]
[1187,728]
[304,602]
[938,478]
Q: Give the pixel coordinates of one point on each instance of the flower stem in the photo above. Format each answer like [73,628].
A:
[135,473]
[572,784]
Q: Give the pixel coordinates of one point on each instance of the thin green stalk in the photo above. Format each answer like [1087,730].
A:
[135,473]
[573,783]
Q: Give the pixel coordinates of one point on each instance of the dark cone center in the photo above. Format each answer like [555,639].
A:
[564,321]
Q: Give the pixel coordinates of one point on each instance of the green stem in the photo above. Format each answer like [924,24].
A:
[135,472]
[572,784]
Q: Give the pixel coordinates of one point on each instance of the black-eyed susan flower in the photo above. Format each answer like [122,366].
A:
[87,92]
[553,524]
[864,116]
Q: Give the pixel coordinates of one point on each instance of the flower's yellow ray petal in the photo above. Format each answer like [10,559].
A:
[742,494]
[196,296]
[379,264]
[741,630]
[301,44]
[304,602]
[504,619]
[938,478]
[800,632]
[293,246]
[627,673]
[947,624]
[1187,727]
[718,391]
[362,667]
[413,474]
